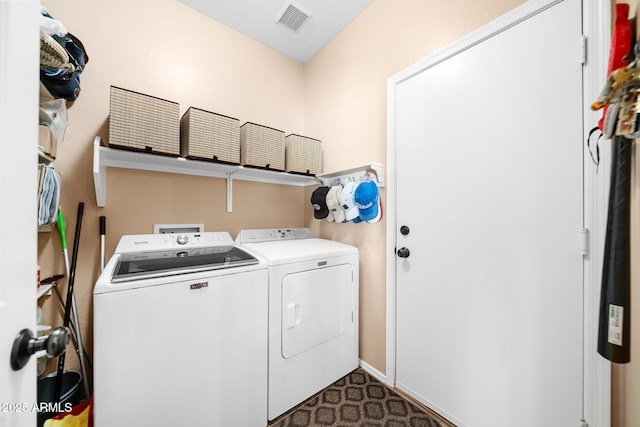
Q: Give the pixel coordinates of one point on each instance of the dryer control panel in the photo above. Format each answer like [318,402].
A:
[272,234]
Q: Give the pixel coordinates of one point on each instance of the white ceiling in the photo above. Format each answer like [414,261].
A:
[258,19]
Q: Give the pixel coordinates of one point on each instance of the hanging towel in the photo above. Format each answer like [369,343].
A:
[615,294]
[48,194]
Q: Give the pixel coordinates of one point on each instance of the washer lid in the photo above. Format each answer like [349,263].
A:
[144,265]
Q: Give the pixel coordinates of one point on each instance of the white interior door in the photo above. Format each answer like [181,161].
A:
[18,129]
[489,183]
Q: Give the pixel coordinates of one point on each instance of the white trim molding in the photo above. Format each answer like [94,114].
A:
[372,371]
[597,370]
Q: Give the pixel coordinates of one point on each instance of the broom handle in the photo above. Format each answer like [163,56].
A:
[103,229]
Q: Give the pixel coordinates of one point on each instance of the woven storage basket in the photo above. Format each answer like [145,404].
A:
[143,123]
[209,136]
[302,154]
[261,147]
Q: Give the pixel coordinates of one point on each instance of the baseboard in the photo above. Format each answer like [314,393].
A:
[383,378]
[373,371]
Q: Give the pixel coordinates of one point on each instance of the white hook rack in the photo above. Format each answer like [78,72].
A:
[375,172]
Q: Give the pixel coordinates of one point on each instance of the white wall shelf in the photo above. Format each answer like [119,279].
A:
[44,158]
[104,157]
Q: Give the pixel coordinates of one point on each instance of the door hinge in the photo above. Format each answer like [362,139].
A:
[583,49]
[583,241]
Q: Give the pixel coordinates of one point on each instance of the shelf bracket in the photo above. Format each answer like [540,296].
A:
[230,192]
[99,173]
[379,171]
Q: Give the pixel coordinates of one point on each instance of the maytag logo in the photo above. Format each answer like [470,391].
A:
[199,285]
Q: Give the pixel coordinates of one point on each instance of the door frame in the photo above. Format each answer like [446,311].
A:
[596,17]
[19,84]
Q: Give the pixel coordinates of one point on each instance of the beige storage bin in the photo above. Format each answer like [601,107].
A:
[261,147]
[209,136]
[303,154]
[143,123]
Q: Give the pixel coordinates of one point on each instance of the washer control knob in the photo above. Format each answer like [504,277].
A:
[182,239]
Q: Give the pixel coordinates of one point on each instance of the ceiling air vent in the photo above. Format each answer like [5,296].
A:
[293,16]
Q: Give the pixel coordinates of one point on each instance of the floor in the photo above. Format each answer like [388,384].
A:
[358,399]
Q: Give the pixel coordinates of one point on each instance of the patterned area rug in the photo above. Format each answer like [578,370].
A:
[357,400]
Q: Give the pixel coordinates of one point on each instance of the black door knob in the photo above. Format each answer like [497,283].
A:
[404,230]
[25,345]
[404,252]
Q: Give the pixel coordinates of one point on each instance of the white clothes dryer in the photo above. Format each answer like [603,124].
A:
[313,311]
[180,335]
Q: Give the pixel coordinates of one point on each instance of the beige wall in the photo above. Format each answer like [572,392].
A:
[166,49]
[346,107]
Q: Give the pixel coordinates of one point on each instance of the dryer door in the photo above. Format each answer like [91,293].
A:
[317,306]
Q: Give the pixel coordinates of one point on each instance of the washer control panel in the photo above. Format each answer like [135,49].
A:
[155,242]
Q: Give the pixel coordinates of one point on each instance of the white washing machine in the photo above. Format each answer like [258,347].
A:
[313,311]
[180,333]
